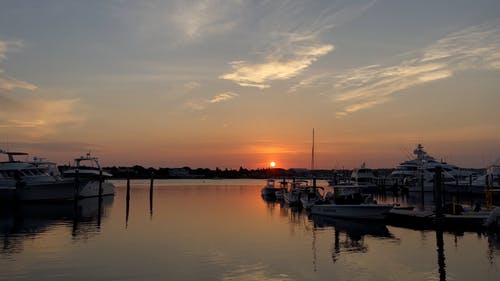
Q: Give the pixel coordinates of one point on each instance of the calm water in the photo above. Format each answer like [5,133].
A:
[223,230]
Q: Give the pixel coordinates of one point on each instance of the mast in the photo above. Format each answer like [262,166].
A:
[312,153]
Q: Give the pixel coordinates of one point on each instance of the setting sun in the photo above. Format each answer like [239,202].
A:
[272,164]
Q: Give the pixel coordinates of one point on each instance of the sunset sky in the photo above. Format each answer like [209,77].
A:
[241,83]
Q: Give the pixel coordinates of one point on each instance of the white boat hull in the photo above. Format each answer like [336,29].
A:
[91,189]
[56,191]
[359,211]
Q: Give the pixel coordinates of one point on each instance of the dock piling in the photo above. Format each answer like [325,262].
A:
[438,191]
[127,206]
[151,194]
[100,184]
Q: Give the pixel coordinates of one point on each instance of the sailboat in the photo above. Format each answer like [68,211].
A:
[310,196]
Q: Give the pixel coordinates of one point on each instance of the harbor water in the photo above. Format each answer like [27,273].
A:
[224,230]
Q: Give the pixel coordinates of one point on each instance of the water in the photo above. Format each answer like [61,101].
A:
[223,230]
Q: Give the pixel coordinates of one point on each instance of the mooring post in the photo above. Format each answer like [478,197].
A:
[77,184]
[151,194]
[100,184]
[438,191]
[127,200]
[128,187]
[19,186]
[421,182]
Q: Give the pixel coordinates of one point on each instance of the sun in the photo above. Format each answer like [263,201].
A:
[272,164]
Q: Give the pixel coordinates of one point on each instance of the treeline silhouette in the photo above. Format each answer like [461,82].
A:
[139,172]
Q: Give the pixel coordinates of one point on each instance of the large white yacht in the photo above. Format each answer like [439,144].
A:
[418,173]
[28,181]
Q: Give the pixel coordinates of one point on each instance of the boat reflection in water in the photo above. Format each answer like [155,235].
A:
[349,234]
[21,222]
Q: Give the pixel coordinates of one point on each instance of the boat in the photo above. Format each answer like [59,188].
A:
[418,174]
[310,196]
[90,179]
[455,217]
[280,192]
[269,190]
[362,177]
[25,181]
[349,202]
[292,196]
[491,179]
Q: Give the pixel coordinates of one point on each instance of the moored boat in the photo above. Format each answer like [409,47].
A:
[90,179]
[269,190]
[25,181]
[349,202]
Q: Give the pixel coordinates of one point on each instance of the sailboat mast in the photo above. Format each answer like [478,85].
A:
[312,154]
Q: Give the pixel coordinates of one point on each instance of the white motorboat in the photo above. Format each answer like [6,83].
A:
[90,177]
[353,211]
[292,196]
[25,181]
[269,190]
[310,196]
[350,202]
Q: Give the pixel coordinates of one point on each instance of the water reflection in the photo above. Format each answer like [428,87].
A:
[349,234]
[20,222]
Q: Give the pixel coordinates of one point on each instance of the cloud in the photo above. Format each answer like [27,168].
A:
[42,117]
[206,17]
[311,81]
[193,85]
[222,97]
[201,104]
[9,83]
[476,47]
[295,43]
[260,74]
[195,105]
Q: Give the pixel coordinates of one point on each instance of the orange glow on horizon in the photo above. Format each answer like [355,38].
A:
[272,164]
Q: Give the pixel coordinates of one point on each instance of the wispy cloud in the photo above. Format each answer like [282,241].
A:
[222,97]
[476,47]
[192,85]
[201,104]
[195,105]
[260,74]
[9,83]
[295,45]
[43,117]
[206,17]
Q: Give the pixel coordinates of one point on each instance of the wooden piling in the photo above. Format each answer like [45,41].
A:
[127,200]
[128,188]
[77,184]
[151,194]
[438,191]
[421,182]
[100,184]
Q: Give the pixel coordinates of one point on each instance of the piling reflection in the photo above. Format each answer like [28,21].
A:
[19,222]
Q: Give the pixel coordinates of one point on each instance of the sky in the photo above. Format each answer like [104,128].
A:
[235,83]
